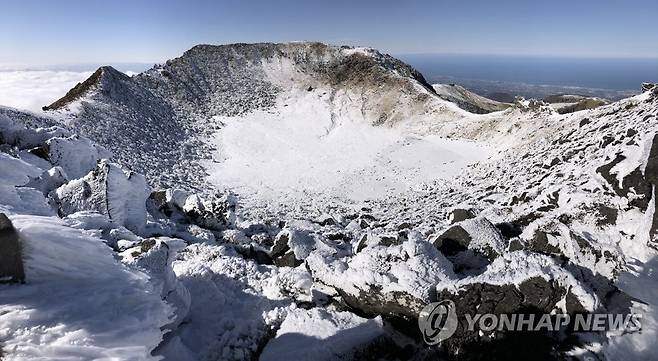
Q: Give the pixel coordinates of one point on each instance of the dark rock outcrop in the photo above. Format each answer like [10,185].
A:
[648,86]
[11,260]
[533,296]
[458,215]
[633,182]
[454,240]
[651,175]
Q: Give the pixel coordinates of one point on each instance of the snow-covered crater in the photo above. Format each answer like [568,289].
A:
[304,146]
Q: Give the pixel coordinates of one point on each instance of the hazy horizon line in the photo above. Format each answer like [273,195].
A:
[92,65]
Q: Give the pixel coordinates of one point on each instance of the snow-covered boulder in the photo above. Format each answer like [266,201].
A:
[397,280]
[321,334]
[477,234]
[15,197]
[168,202]
[155,257]
[76,155]
[215,212]
[109,190]
[298,239]
[49,180]
[517,282]
[79,301]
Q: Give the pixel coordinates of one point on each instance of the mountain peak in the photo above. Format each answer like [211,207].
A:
[103,76]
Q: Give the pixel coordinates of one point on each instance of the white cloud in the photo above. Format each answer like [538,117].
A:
[32,89]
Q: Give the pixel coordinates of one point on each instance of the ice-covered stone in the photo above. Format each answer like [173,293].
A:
[319,334]
[109,190]
[76,155]
[395,281]
[477,234]
[49,180]
[155,256]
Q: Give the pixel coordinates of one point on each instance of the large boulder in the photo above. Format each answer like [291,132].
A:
[395,281]
[155,256]
[109,190]
[214,213]
[11,261]
[476,234]
[76,155]
[515,283]
[321,334]
[298,239]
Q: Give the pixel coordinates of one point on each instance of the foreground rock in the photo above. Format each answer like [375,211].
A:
[394,281]
[11,259]
[109,190]
[519,282]
[320,334]
[214,213]
[471,244]
[155,256]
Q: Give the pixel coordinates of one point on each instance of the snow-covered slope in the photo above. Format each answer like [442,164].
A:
[322,197]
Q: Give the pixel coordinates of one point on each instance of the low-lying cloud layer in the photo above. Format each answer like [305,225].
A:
[32,89]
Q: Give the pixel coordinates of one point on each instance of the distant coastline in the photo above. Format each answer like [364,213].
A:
[537,77]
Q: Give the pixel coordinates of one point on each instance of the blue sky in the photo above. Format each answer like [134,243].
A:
[64,32]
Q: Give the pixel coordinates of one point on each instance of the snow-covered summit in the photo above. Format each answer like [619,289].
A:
[106,79]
